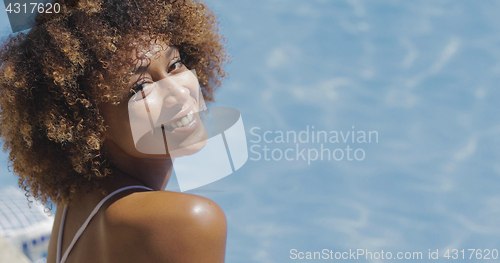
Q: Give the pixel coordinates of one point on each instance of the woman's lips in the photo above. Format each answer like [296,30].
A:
[181,122]
[186,109]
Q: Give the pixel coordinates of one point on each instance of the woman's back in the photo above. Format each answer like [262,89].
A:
[143,227]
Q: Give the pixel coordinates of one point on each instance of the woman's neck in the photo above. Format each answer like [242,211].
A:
[151,172]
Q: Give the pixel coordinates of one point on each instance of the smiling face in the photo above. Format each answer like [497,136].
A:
[161,115]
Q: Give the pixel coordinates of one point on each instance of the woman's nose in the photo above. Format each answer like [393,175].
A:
[175,93]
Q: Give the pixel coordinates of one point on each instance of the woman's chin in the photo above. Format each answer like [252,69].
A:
[172,145]
[190,149]
[178,152]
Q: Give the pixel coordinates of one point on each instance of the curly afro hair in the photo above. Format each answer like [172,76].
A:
[53,78]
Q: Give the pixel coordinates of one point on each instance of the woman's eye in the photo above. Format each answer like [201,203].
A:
[177,65]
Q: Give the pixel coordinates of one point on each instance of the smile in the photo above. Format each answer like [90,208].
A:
[182,122]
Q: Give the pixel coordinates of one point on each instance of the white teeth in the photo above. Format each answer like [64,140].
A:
[183,122]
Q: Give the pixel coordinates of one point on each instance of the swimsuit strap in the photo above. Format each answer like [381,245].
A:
[82,228]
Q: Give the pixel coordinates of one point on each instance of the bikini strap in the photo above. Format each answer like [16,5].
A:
[82,228]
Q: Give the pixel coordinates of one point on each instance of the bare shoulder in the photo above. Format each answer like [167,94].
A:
[169,226]
[165,205]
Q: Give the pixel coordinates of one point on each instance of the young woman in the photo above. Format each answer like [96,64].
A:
[67,94]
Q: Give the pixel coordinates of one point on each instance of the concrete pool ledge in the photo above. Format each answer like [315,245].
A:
[9,254]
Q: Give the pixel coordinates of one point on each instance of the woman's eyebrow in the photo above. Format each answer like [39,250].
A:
[141,65]
[141,69]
